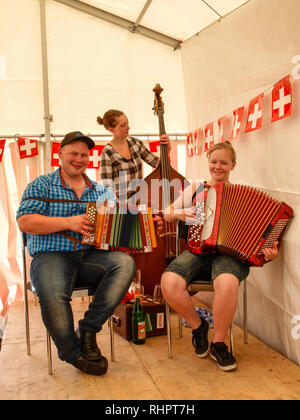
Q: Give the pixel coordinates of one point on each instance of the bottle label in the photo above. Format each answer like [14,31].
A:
[141,330]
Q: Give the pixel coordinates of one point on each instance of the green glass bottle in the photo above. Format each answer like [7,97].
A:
[138,322]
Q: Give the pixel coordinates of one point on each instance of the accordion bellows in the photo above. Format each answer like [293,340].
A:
[240,221]
[118,227]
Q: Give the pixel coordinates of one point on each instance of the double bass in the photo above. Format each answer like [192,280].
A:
[164,186]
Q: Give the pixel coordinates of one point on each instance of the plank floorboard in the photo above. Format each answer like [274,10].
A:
[140,372]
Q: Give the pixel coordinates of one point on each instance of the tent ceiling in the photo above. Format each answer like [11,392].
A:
[169,21]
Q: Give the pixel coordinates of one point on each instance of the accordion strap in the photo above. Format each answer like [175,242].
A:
[54,200]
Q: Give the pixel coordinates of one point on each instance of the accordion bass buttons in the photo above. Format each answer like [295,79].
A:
[92,214]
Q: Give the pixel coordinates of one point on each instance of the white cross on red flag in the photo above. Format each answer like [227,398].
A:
[209,136]
[95,157]
[2,145]
[282,99]
[221,122]
[190,144]
[55,161]
[238,120]
[197,140]
[27,147]
[255,114]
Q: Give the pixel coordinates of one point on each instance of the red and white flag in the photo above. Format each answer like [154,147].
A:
[255,114]
[154,146]
[197,141]
[95,157]
[209,136]
[55,161]
[282,99]
[190,145]
[2,145]
[237,123]
[221,122]
[27,148]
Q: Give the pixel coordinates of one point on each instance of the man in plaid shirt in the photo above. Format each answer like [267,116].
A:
[53,215]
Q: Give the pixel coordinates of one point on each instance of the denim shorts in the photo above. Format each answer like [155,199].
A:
[193,267]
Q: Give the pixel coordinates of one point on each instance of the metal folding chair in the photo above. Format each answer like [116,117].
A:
[77,293]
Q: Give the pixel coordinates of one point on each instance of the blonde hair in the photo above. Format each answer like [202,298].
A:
[223,146]
[109,118]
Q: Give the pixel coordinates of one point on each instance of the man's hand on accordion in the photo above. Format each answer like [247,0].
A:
[81,224]
[271,253]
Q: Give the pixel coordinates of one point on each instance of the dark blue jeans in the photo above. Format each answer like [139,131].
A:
[56,274]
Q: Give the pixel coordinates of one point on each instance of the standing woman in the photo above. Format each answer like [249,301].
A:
[121,159]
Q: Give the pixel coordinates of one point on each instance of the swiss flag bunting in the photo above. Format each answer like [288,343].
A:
[190,144]
[55,161]
[255,114]
[2,145]
[95,156]
[209,136]
[221,122]
[238,120]
[282,99]
[282,103]
[27,148]
[197,141]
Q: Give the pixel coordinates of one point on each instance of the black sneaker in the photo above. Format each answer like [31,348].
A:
[225,360]
[200,339]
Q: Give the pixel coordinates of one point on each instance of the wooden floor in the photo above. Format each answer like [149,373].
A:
[262,373]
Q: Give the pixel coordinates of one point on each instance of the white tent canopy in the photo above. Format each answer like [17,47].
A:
[177,20]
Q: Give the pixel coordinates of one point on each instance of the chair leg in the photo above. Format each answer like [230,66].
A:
[169,331]
[112,339]
[180,325]
[49,354]
[27,328]
[231,338]
[245,313]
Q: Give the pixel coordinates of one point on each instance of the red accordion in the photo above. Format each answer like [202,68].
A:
[240,221]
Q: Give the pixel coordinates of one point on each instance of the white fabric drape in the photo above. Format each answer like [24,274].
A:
[93,66]
[224,68]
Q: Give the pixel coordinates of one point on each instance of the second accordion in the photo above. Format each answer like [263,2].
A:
[120,227]
[238,220]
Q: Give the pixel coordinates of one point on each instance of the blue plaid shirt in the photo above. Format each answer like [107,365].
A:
[53,186]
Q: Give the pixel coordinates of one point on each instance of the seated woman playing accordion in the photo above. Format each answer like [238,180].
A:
[226,271]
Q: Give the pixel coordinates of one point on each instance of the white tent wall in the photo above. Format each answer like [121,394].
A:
[93,66]
[224,67]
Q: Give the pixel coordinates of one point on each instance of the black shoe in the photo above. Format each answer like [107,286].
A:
[200,339]
[93,368]
[89,347]
[225,360]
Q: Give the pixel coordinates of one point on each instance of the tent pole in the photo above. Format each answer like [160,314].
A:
[47,116]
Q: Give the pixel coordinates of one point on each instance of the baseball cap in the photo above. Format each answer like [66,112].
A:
[77,135]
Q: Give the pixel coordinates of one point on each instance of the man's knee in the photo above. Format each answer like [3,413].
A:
[127,263]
